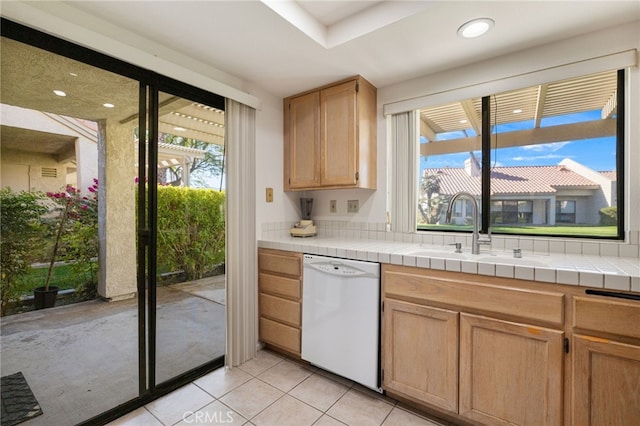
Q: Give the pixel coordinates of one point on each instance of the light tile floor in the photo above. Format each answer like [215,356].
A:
[270,390]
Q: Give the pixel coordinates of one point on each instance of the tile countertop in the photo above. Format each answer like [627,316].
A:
[613,273]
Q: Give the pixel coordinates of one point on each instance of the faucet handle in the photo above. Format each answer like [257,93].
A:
[458,247]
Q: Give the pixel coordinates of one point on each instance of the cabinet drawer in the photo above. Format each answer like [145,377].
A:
[281,286]
[280,262]
[467,292]
[280,309]
[607,315]
[280,335]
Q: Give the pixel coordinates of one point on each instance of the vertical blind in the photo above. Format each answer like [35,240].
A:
[241,262]
[404,156]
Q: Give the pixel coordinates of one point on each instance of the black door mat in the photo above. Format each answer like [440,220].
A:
[18,402]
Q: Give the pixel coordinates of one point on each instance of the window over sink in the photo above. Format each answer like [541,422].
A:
[543,160]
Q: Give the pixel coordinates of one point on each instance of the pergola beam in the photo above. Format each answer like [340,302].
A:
[473,118]
[426,131]
[610,106]
[537,136]
[542,98]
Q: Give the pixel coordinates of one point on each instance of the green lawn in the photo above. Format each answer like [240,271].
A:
[62,277]
[564,230]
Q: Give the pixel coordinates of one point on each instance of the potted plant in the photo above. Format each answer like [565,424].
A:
[75,211]
[20,225]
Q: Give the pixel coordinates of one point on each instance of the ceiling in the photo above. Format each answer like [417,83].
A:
[29,75]
[287,47]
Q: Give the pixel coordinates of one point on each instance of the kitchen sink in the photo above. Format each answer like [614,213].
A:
[439,254]
[503,258]
[519,261]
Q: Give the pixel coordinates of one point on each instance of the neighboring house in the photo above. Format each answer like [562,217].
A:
[44,152]
[531,195]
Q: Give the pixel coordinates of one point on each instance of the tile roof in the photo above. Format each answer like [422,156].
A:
[610,174]
[512,180]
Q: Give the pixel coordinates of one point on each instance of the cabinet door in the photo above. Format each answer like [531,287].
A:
[606,382]
[510,374]
[338,135]
[304,141]
[420,353]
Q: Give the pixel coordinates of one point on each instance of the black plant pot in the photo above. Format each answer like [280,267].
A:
[44,298]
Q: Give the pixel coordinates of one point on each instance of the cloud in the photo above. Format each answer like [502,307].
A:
[541,157]
[553,147]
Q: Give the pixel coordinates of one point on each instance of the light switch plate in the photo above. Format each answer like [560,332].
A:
[333,206]
[353,206]
[269,195]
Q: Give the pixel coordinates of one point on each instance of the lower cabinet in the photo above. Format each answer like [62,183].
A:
[279,299]
[447,345]
[499,351]
[510,374]
[606,382]
[605,361]
[421,353]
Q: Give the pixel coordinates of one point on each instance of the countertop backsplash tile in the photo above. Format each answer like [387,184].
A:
[609,264]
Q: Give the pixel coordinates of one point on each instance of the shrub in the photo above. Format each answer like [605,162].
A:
[76,231]
[191,230]
[609,216]
[20,225]
[82,244]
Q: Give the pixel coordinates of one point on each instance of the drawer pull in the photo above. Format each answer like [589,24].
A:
[613,294]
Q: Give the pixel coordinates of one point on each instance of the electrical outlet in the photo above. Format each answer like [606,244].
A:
[269,195]
[353,206]
[333,206]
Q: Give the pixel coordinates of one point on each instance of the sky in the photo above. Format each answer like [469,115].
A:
[598,154]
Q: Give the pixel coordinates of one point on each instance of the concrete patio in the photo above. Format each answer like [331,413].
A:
[82,359]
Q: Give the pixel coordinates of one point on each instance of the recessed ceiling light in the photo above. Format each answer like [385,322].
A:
[475,27]
[463,121]
[59,93]
[179,129]
[517,111]
[108,105]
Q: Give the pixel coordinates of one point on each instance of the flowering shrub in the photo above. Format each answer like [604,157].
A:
[76,228]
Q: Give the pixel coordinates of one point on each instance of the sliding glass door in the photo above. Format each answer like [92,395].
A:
[124,170]
[189,244]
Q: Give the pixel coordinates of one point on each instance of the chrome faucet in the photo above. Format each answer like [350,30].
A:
[476,241]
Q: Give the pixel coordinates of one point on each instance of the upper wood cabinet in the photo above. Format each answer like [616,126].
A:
[330,137]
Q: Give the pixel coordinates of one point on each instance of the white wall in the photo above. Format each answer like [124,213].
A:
[489,76]
[269,163]
[524,68]
[492,76]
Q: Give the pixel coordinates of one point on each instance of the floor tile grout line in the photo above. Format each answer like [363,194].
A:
[331,417]
[247,420]
[265,408]
[297,399]
[154,416]
[315,408]
[363,391]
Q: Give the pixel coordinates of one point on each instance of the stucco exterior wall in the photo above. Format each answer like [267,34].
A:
[116,219]
[33,163]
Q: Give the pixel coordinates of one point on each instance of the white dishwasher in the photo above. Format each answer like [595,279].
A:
[341,318]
